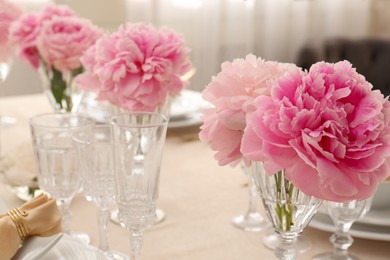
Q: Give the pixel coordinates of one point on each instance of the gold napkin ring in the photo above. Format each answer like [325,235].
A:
[17,216]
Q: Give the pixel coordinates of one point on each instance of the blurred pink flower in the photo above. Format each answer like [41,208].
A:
[137,67]
[55,35]
[327,128]
[63,40]
[231,93]
[9,12]
[24,33]
[52,41]
[52,10]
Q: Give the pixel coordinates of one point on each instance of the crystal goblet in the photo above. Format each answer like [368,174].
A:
[343,215]
[96,157]
[252,220]
[55,152]
[162,110]
[138,144]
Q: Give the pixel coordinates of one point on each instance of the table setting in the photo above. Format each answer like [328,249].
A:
[118,158]
[195,227]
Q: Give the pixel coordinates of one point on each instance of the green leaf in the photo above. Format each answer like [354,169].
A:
[57,86]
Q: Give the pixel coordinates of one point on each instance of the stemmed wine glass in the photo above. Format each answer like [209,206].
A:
[138,144]
[96,157]
[163,110]
[344,214]
[55,152]
[252,220]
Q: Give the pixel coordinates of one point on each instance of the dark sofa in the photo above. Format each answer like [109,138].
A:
[370,57]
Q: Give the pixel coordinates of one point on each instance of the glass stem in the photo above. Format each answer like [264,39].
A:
[136,239]
[103,218]
[341,240]
[286,250]
[252,197]
[67,215]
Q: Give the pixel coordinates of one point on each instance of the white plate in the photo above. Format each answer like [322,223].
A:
[185,108]
[186,103]
[193,119]
[379,217]
[191,115]
[34,248]
[324,222]
[69,248]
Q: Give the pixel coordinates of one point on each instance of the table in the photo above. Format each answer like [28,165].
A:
[198,196]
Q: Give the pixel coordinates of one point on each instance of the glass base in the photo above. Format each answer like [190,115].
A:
[115,255]
[253,222]
[332,256]
[7,121]
[160,216]
[272,240]
[82,236]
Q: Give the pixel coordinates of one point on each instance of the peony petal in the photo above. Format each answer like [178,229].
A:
[87,82]
[336,184]
[305,178]
[251,145]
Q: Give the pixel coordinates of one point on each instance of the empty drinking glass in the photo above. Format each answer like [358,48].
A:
[58,168]
[252,220]
[96,156]
[138,144]
[344,214]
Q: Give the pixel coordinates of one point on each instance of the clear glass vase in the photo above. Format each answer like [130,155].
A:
[60,88]
[288,208]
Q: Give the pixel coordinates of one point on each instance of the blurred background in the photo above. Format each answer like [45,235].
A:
[299,31]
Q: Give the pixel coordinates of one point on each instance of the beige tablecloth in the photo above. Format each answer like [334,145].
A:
[198,196]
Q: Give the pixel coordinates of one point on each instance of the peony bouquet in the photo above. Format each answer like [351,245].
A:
[327,129]
[231,94]
[322,134]
[136,68]
[53,41]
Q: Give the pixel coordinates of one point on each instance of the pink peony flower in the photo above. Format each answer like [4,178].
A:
[9,12]
[231,93]
[26,31]
[327,128]
[52,10]
[63,40]
[137,67]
